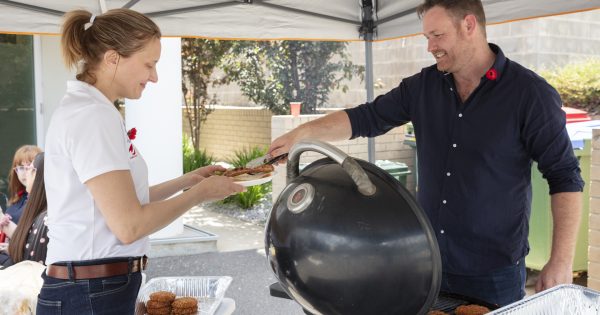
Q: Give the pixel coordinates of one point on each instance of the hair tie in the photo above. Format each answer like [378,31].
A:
[90,23]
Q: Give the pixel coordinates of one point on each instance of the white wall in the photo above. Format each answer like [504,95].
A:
[157,118]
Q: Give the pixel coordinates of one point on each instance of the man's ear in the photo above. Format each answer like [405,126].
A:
[111,58]
[470,23]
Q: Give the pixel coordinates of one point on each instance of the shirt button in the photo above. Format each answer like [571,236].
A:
[442,231]
[448,174]
[451,89]
[444,201]
[460,115]
[454,145]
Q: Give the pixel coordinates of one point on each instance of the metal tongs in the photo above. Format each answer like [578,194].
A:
[264,160]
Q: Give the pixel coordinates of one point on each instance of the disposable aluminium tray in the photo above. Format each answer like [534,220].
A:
[208,290]
[564,299]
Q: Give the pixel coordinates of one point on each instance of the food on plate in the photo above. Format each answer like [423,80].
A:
[184,305]
[266,168]
[436,312]
[471,309]
[245,173]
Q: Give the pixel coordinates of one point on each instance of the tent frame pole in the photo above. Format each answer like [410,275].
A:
[367,30]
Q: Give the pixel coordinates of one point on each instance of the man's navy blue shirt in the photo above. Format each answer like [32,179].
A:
[475,157]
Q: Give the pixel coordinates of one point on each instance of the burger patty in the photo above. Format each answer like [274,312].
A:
[266,168]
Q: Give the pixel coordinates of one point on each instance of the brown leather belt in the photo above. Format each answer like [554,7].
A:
[97,271]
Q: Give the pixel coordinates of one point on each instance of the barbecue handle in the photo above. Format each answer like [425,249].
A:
[358,175]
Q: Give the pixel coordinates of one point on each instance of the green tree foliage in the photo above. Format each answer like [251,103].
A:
[199,59]
[274,73]
[578,84]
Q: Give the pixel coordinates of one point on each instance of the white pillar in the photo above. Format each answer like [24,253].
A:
[157,118]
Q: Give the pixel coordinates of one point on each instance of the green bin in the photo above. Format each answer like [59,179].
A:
[540,223]
[398,170]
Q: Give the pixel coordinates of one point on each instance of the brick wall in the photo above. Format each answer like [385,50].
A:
[228,129]
[594,218]
[387,147]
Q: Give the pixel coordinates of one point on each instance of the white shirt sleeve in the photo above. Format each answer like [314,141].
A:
[98,143]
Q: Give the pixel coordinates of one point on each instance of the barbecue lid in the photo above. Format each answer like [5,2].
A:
[344,237]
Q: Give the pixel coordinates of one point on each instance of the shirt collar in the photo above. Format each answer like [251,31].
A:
[76,85]
[499,63]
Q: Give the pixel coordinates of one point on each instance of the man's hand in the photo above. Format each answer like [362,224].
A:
[553,274]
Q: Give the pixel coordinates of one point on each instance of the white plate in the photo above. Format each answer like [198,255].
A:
[258,181]
[208,290]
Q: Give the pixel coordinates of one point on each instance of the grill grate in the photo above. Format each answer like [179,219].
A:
[447,304]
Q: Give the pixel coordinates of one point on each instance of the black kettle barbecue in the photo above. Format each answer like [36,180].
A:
[344,237]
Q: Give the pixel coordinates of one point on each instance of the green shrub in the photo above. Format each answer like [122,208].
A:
[253,194]
[578,84]
[245,155]
[194,158]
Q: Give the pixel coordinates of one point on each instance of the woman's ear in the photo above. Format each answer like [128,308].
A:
[111,58]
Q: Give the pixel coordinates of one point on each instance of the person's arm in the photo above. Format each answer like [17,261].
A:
[7,226]
[566,215]
[332,127]
[169,188]
[115,196]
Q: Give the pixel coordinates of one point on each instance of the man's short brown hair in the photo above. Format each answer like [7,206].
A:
[457,8]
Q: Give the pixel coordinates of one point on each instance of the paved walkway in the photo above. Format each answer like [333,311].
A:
[233,234]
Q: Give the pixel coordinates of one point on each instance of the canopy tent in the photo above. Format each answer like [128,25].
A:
[331,20]
[271,19]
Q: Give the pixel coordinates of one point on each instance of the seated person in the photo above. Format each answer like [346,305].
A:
[28,239]
[17,180]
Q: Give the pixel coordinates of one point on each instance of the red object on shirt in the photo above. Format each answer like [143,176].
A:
[2,237]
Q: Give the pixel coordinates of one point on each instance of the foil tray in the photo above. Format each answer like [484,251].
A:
[208,290]
[564,299]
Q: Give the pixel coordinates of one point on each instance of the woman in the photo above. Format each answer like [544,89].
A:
[100,207]
[29,239]
[17,180]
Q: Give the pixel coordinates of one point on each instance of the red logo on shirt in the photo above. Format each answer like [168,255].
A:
[132,133]
[491,74]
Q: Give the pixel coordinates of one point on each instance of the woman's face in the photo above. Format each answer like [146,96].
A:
[135,72]
[21,170]
[30,177]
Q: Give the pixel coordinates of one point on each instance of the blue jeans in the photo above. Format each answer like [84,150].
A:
[502,286]
[110,295]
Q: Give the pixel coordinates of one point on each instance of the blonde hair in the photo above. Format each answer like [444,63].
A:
[27,154]
[122,30]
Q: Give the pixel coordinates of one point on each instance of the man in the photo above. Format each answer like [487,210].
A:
[480,119]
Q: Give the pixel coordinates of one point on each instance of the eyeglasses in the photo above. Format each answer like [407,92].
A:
[24,168]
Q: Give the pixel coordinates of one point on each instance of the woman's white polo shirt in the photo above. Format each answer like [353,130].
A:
[87,138]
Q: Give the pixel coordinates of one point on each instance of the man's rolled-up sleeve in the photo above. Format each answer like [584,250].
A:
[546,138]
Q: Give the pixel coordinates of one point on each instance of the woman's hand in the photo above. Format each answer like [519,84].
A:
[218,187]
[199,174]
